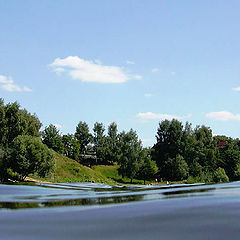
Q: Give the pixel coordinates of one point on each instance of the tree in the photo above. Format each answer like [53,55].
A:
[112,151]
[220,176]
[29,155]
[176,169]
[83,136]
[148,168]
[71,146]
[15,121]
[169,142]
[130,154]
[99,141]
[52,138]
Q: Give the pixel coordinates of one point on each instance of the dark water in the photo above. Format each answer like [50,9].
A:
[98,211]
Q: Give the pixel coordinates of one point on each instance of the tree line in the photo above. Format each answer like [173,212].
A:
[124,148]
[180,152]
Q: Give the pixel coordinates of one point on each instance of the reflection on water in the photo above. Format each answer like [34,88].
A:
[91,194]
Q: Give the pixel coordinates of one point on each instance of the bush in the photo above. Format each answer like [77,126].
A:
[220,176]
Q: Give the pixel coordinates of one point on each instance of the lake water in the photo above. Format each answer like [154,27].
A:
[98,211]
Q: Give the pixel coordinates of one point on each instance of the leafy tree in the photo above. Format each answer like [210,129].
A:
[83,136]
[231,161]
[99,141]
[220,175]
[169,143]
[176,169]
[130,158]
[52,138]
[112,151]
[15,121]
[195,169]
[71,146]
[29,155]
[148,167]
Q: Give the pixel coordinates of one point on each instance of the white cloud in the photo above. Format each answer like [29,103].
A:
[130,62]
[223,116]
[91,71]
[147,95]
[159,116]
[59,70]
[173,73]
[236,89]
[7,84]
[155,70]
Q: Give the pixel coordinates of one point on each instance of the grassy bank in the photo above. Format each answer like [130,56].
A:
[68,170]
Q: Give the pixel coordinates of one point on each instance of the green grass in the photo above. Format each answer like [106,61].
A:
[68,170]
[111,172]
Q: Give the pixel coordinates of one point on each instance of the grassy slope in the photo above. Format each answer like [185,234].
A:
[68,170]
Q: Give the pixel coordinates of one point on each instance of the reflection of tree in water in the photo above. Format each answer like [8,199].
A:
[73,202]
[18,205]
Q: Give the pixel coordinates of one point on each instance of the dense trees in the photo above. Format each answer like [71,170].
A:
[21,150]
[180,152]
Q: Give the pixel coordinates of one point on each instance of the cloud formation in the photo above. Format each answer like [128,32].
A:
[7,84]
[155,70]
[90,71]
[147,95]
[223,116]
[236,89]
[159,116]
[130,62]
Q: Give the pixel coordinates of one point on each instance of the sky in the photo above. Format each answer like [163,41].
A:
[133,62]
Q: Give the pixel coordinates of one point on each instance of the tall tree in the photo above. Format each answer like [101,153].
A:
[130,158]
[148,167]
[169,143]
[52,138]
[99,141]
[15,121]
[71,146]
[112,143]
[83,136]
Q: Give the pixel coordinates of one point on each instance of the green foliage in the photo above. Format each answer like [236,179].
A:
[148,168]
[176,168]
[130,154]
[220,176]
[195,169]
[15,121]
[71,146]
[68,170]
[112,146]
[83,136]
[99,141]
[52,138]
[29,155]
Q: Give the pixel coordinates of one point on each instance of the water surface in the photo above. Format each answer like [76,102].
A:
[98,211]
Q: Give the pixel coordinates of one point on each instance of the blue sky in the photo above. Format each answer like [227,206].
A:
[135,62]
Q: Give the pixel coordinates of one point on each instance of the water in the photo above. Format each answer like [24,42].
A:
[98,211]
